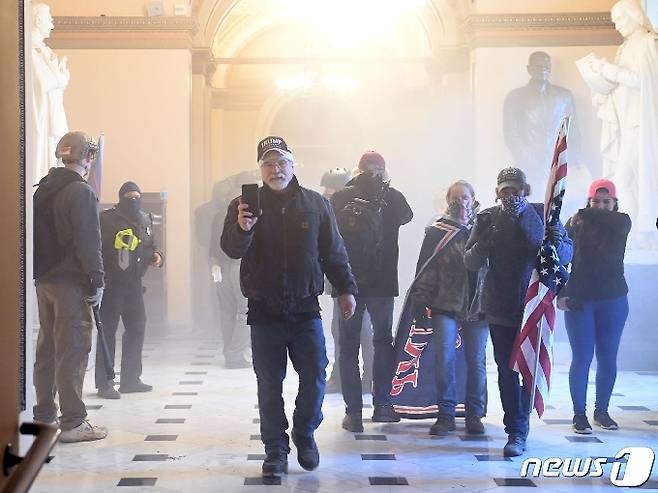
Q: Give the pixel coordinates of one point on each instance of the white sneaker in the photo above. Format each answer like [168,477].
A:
[85,432]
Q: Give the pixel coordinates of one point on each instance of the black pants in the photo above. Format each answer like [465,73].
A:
[513,396]
[125,302]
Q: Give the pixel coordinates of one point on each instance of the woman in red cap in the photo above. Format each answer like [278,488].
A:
[595,300]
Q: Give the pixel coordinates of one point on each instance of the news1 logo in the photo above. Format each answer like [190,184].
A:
[635,471]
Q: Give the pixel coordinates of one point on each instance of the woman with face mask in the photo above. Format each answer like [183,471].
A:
[444,289]
[595,300]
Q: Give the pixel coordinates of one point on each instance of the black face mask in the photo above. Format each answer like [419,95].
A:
[131,206]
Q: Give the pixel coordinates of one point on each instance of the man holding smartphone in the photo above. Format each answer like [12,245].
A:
[287,241]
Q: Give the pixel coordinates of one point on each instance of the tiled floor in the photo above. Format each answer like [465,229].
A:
[201,435]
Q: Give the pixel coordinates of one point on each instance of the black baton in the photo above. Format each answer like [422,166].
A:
[107,361]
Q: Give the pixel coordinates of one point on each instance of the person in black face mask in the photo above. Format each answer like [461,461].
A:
[128,251]
[507,238]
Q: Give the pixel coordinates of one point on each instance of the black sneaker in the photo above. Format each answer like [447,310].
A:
[275,464]
[444,424]
[514,447]
[603,419]
[385,414]
[108,393]
[308,455]
[353,423]
[138,386]
[581,424]
[474,425]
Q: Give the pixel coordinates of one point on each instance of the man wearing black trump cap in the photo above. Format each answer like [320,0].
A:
[128,251]
[286,245]
[507,238]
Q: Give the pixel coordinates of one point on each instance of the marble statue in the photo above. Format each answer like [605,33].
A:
[50,76]
[629,115]
[532,115]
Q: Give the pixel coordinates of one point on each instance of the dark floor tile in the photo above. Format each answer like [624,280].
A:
[651,422]
[254,437]
[367,420]
[576,439]
[160,438]
[475,438]
[370,437]
[260,481]
[492,458]
[548,406]
[196,373]
[184,393]
[634,408]
[204,355]
[137,482]
[650,485]
[178,406]
[170,421]
[378,457]
[557,421]
[615,394]
[208,349]
[367,406]
[256,457]
[190,382]
[255,421]
[150,457]
[201,363]
[255,406]
[647,372]
[94,407]
[387,481]
[515,482]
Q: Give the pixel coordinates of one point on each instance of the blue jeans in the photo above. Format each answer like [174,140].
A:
[381,314]
[515,399]
[270,345]
[599,326]
[474,337]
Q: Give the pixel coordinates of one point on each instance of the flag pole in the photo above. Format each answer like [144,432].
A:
[565,125]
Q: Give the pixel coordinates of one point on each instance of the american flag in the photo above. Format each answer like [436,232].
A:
[532,356]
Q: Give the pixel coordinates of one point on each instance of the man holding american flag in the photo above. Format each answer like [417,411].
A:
[509,237]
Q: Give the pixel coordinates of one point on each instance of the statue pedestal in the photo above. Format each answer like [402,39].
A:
[639,342]
[638,350]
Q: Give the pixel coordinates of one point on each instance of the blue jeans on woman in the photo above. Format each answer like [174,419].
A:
[474,337]
[598,326]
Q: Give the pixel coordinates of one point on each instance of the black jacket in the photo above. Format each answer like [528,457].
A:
[599,239]
[512,252]
[75,214]
[114,220]
[395,214]
[285,254]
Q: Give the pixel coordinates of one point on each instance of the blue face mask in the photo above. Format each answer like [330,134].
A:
[514,205]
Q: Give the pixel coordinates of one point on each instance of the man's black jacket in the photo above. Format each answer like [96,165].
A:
[396,213]
[114,220]
[294,242]
[510,245]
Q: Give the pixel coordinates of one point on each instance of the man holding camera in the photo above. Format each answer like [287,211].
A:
[68,272]
[287,239]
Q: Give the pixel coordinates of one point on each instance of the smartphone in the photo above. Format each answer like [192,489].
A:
[250,197]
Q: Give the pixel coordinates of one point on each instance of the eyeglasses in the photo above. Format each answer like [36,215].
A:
[281,163]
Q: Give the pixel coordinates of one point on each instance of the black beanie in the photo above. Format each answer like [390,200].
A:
[129,186]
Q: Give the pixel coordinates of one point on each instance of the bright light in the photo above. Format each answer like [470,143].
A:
[295,83]
[346,23]
[339,82]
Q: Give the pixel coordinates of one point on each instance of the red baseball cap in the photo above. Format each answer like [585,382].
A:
[371,157]
[605,184]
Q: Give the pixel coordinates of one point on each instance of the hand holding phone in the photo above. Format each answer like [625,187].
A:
[250,197]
